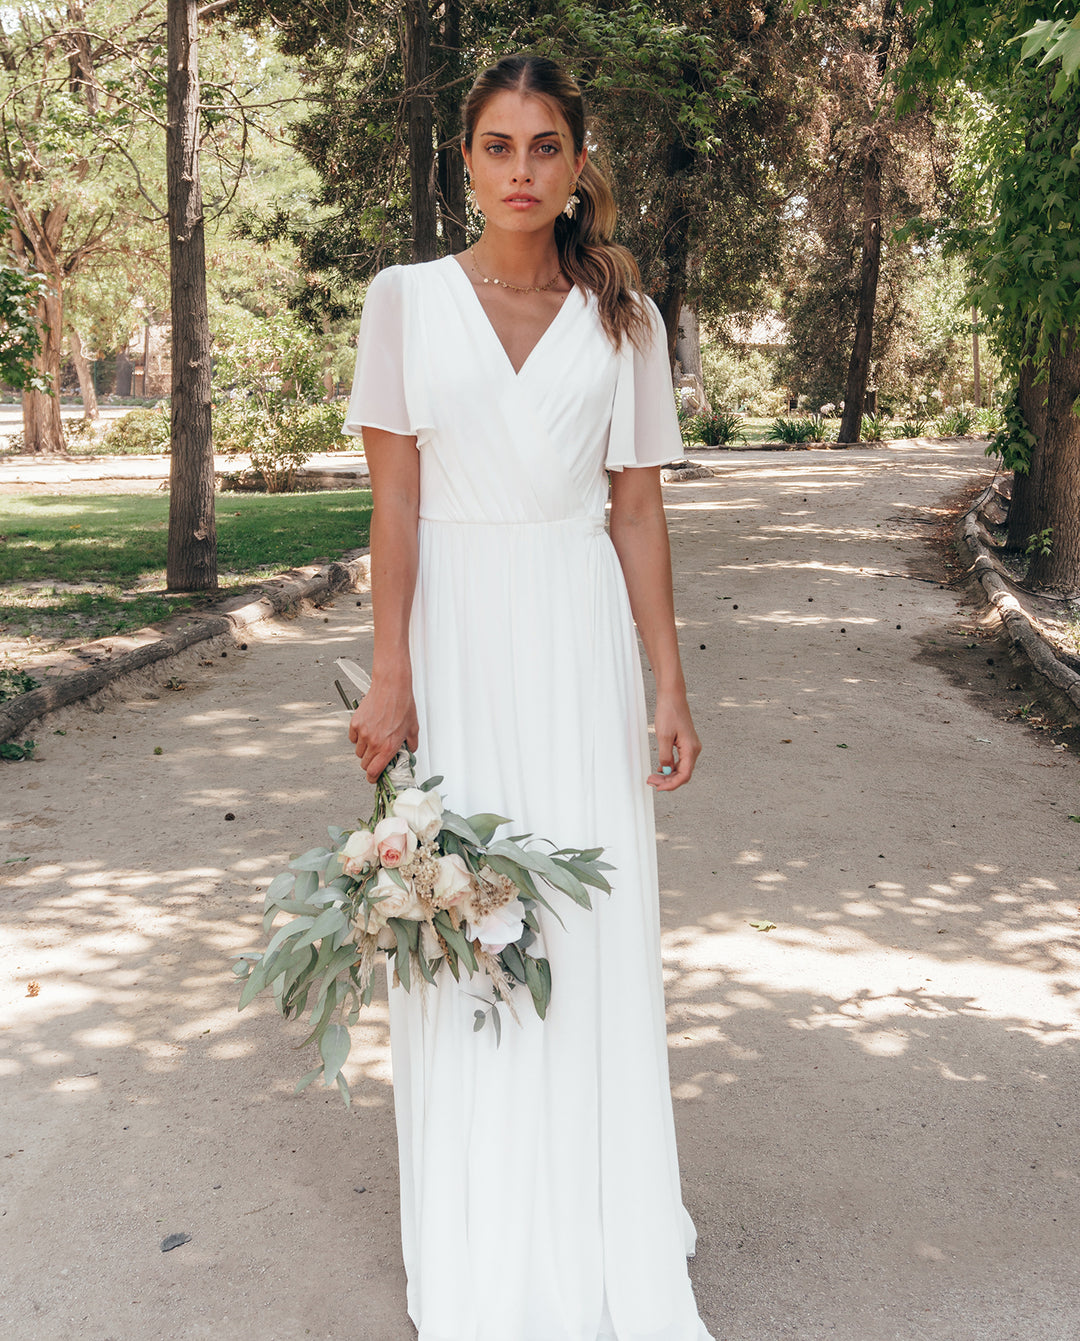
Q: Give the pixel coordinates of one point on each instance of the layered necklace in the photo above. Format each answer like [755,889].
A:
[505,284]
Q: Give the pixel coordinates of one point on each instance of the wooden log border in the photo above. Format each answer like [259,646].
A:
[350,573]
[976,548]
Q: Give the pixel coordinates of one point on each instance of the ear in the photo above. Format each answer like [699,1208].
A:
[467,156]
[579,162]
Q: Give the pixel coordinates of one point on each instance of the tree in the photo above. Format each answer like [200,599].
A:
[20,338]
[1016,220]
[192,548]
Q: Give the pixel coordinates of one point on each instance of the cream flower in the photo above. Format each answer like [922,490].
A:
[422,811]
[393,901]
[500,927]
[395,840]
[454,882]
[359,852]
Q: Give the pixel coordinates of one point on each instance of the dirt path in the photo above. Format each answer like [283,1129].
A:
[876,1100]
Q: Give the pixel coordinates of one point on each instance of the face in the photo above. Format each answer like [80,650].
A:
[522,162]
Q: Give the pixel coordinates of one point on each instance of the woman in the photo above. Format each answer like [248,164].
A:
[539,1184]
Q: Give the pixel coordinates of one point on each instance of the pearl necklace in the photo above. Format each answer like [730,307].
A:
[514,288]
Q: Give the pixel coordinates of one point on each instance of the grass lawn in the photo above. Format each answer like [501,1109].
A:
[88,565]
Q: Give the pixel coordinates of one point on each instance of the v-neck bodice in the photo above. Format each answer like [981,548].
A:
[570,298]
[499,447]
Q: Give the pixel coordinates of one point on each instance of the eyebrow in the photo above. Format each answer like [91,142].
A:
[502,135]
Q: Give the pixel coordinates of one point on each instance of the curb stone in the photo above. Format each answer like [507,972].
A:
[976,545]
[352,572]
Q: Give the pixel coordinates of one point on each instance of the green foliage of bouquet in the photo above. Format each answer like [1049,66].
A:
[431,889]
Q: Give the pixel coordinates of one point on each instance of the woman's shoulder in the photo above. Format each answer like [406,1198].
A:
[394,279]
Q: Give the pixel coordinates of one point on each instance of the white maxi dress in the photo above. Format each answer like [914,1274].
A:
[540,1195]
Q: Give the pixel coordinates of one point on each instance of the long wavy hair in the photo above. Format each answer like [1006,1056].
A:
[587,254]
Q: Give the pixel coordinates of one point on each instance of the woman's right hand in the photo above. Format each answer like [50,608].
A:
[385,720]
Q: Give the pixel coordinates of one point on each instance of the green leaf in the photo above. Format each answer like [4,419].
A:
[455,824]
[478,1021]
[496,1020]
[297,924]
[401,955]
[484,825]
[515,964]
[327,923]
[334,1050]
[763,926]
[455,939]
[431,782]
[538,981]
[255,983]
[306,1081]
[314,859]
[280,886]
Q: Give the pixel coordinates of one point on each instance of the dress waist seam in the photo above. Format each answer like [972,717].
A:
[593,524]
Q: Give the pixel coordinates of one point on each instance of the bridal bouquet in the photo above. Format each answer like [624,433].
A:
[429,888]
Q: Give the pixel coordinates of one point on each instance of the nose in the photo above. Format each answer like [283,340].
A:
[521,171]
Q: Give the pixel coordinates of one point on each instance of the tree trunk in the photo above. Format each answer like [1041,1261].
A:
[688,343]
[869,271]
[82,371]
[451,165]
[676,246]
[416,52]
[976,392]
[192,551]
[42,429]
[1055,487]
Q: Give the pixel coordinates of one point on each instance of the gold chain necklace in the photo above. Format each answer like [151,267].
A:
[514,288]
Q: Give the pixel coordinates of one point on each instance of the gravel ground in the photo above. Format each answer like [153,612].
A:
[875,1099]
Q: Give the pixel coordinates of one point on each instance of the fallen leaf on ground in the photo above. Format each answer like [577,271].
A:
[763,926]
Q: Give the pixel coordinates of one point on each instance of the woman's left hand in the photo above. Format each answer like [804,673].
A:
[676,741]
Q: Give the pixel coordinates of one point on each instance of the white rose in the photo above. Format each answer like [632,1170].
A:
[454,882]
[422,811]
[395,840]
[359,852]
[499,928]
[393,901]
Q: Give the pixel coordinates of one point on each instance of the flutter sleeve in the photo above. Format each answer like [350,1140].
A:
[380,396]
[644,425]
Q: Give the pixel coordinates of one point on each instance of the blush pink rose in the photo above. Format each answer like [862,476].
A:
[395,841]
[360,852]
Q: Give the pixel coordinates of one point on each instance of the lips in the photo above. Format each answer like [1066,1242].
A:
[520,200]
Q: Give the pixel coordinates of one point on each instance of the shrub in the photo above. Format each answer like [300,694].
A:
[874,427]
[280,440]
[716,428]
[910,428]
[811,429]
[139,433]
[955,422]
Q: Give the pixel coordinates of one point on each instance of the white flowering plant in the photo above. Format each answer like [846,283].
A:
[433,890]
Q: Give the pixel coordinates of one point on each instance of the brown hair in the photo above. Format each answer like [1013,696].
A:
[587,254]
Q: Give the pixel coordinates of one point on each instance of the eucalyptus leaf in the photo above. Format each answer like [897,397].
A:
[279,887]
[456,940]
[478,1021]
[511,957]
[484,825]
[314,859]
[334,1049]
[496,1020]
[307,882]
[431,783]
[254,985]
[401,957]
[455,824]
[313,1074]
[298,924]
[328,921]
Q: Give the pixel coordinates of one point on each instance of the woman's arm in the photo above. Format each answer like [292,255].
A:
[639,534]
[386,717]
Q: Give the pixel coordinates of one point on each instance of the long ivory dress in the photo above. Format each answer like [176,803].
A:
[540,1194]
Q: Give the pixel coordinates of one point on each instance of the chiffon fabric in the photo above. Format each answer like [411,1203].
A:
[540,1195]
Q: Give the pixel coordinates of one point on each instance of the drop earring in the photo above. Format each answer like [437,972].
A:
[570,208]
[470,198]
